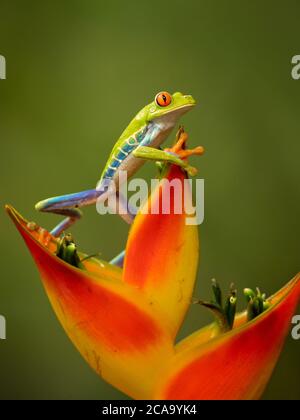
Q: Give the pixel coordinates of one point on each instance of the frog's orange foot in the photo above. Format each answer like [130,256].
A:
[179,147]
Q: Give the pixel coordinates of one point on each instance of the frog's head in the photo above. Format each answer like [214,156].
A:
[169,107]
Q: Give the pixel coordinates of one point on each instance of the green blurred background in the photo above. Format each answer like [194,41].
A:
[77,71]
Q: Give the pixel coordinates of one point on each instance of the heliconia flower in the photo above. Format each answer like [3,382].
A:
[124,322]
[115,320]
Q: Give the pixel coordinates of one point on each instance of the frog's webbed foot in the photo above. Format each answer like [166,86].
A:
[180,151]
[179,147]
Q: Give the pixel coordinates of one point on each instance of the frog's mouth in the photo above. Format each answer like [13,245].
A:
[181,109]
[186,106]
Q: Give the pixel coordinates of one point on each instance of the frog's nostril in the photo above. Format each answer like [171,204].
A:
[190,99]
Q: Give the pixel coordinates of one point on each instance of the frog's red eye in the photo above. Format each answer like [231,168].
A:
[163,99]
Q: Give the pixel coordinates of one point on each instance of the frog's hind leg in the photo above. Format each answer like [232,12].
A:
[124,209]
[118,260]
[72,216]
[68,205]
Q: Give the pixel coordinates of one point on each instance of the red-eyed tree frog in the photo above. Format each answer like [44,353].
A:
[140,141]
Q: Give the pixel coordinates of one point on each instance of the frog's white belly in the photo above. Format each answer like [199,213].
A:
[131,164]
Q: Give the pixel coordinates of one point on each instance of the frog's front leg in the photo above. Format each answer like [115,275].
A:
[176,154]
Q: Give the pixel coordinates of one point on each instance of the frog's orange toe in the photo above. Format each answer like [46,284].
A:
[199,150]
[179,147]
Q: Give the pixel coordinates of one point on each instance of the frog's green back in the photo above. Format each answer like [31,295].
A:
[137,124]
